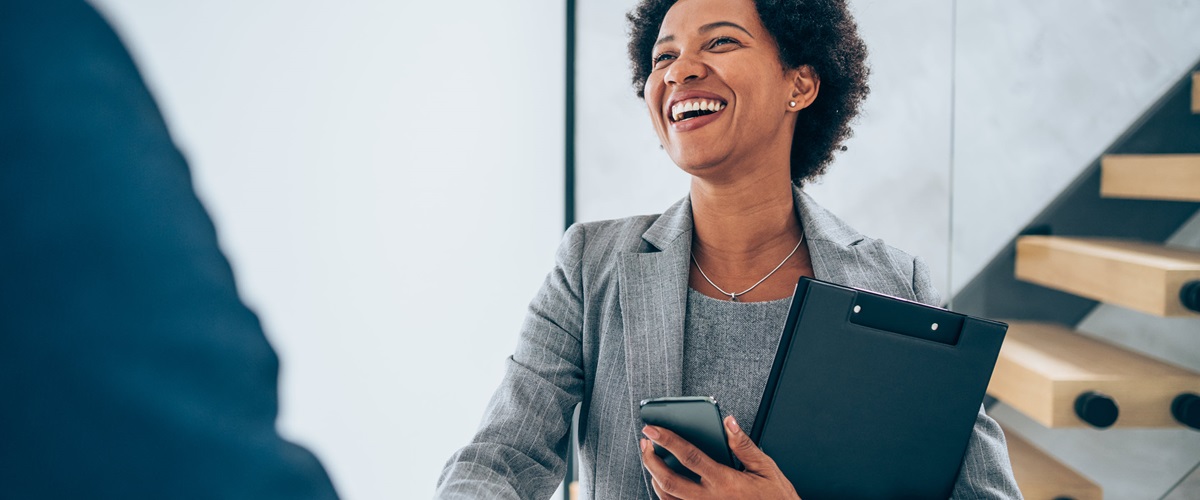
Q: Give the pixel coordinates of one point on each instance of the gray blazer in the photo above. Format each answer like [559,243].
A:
[606,330]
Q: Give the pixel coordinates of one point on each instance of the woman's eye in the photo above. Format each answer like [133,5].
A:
[662,57]
[722,41]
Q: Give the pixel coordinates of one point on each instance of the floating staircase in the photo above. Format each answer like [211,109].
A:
[1145,277]
[1100,242]
[1060,378]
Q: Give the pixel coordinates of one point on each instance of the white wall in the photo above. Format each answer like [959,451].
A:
[386,179]
[893,183]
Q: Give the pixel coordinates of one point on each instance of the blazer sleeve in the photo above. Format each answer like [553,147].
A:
[986,471]
[519,449]
[922,284]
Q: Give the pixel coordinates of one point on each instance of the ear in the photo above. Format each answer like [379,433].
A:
[805,86]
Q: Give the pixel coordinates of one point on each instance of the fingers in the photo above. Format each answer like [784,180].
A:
[667,483]
[687,453]
[750,454]
[662,495]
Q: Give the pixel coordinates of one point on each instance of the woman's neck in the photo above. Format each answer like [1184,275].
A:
[743,221]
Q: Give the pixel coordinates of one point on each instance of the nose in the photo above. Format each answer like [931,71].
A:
[684,69]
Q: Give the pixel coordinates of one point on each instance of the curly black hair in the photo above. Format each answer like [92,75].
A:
[818,33]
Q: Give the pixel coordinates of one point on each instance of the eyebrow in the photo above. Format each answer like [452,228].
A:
[705,29]
[721,24]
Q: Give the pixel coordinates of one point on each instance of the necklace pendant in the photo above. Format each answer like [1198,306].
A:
[733,297]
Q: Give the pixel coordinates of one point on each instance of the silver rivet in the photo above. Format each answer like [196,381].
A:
[934,327]
[857,309]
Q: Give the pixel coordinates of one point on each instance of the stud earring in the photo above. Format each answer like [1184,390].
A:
[792,104]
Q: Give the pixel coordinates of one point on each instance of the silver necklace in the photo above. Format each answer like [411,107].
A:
[733,296]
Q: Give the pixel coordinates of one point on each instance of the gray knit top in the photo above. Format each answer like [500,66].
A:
[728,349]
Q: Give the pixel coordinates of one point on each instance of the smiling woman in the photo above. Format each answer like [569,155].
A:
[751,99]
[819,35]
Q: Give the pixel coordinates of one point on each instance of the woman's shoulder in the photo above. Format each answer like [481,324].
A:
[590,252]
[610,237]
[911,272]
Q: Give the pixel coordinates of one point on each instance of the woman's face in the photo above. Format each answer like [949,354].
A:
[718,94]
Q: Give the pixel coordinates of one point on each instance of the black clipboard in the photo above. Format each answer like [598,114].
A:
[867,398]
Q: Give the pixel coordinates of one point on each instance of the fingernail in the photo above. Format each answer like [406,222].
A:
[733,426]
[650,432]
[642,444]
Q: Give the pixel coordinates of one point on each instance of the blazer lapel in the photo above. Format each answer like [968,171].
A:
[653,298]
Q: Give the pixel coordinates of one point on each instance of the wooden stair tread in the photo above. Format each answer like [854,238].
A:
[1136,275]
[1042,477]
[1146,254]
[1151,177]
[1056,351]
[1042,368]
[1196,92]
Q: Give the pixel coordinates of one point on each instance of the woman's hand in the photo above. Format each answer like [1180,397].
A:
[761,479]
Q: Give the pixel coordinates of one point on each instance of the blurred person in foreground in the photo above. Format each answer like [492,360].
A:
[129,367]
[751,98]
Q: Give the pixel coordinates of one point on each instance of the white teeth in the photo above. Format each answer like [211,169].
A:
[680,108]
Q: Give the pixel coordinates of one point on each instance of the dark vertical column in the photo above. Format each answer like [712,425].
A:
[569,128]
[569,202]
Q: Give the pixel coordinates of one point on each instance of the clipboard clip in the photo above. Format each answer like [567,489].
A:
[906,318]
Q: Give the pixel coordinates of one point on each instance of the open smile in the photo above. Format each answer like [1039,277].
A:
[694,109]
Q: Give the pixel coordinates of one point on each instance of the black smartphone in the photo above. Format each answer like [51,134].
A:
[696,419]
